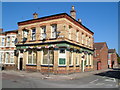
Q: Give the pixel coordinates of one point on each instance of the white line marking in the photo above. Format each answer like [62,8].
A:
[99,84]
[111,79]
[93,81]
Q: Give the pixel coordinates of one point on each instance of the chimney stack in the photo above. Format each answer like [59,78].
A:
[35,15]
[1,30]
[79,20]
[73,13]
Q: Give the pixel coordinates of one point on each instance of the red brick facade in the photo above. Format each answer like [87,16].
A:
[100,56]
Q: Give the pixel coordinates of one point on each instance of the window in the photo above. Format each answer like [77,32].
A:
[25,33]
[87,62]
[3,41]
[62,50]
[77,39]
[8,41]
[33,34]
[32,57]
[46,56]
[1,57]
[54,31]
[7,57]
[13,40]
[70,58]
[12,57]
[82,38]
[77,59]
[89,41]
[109,56]
[70,27]
[62,56]
[43,32]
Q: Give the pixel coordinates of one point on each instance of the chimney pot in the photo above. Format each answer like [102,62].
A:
[79,20]
[35,15]
[73,13]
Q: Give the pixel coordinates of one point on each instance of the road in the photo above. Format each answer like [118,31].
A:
[107,79]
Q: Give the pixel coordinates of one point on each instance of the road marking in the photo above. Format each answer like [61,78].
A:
[99,84]
[93,81]
[111,79]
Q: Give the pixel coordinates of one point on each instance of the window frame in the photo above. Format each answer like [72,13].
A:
[54,32]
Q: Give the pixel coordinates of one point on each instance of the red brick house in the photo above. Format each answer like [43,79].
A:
[112,58]
[100,56]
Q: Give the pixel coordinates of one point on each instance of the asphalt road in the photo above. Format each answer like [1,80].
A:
[109,79]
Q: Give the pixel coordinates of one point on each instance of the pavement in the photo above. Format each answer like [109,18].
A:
[108,78]
[54,77]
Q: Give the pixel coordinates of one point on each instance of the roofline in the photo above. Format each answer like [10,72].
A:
[57,15]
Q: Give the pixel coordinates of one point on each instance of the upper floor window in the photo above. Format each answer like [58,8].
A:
[54,31]
[25,33]
[109,56]
[82,38]
[70,27]
[33,33]
[43,32]
[77,39]
[8,41]
[3,41]
[13,40]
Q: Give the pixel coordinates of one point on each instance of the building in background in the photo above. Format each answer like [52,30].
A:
[112,58]
[100,56]
[7,47]
[56,44]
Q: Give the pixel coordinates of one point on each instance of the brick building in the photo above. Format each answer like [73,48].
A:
[112,58]
[7,47]
[100,56]
[57,43]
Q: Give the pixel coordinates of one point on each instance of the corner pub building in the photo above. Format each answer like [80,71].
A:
[58,44]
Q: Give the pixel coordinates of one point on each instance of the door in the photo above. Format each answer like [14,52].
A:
[98,65]
[21,63]
[82,65]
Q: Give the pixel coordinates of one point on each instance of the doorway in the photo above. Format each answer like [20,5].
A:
[82,65]
[21,63]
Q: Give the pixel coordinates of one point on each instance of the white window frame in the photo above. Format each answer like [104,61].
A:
[8,40]
[7,57]
[43,31]
[32,59]
[33,36]
[54,31]
[12,57]
[77,34]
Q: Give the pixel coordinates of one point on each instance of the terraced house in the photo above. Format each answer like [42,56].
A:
[57,44]
[7,47]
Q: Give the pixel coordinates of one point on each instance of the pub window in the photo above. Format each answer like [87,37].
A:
[77,59]
[62,50]
[7,57]
[70,58]
[32,57]
[46,56]
[12,57]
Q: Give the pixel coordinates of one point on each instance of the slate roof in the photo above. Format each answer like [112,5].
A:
[111,51]
[99,45]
